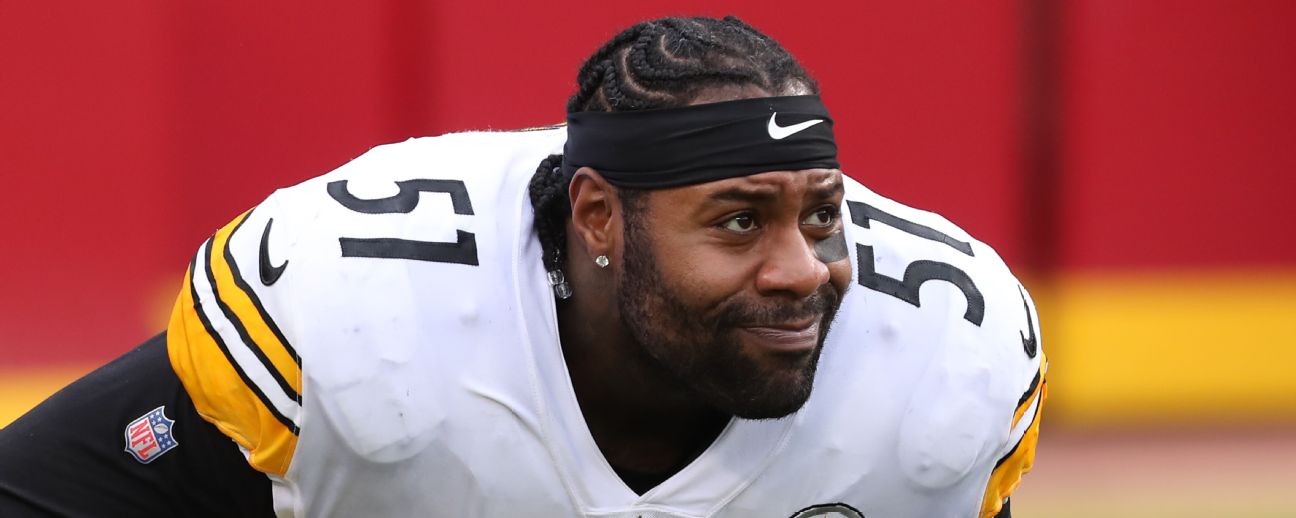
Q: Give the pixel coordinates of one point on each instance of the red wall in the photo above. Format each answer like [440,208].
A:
[1179,135]
[131,131]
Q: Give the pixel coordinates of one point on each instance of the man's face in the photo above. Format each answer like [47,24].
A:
[730,286]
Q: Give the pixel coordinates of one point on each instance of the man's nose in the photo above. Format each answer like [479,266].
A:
[790,266]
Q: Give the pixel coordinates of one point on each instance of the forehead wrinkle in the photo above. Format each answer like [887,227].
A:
[748,193]
[769,188]
[758,189]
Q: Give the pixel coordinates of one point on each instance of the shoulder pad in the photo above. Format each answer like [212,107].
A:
[337,251]
[978,396]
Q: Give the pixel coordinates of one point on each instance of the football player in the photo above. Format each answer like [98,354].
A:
[686,310]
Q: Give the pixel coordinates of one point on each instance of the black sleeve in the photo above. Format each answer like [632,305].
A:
[69,456]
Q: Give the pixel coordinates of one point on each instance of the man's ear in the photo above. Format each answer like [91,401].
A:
[595,211]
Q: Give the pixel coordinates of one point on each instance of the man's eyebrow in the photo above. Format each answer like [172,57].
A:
[744,195]
[739,194]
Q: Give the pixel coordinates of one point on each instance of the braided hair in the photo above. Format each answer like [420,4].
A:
[664,63]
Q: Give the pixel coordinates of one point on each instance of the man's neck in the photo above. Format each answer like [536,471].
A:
[642,419]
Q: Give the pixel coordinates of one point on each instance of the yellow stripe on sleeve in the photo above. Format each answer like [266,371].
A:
[1008,473]
[234,292]
[220,391]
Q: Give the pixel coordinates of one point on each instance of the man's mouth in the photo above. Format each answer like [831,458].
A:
[798,336]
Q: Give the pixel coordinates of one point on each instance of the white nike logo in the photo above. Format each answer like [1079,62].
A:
[777,132]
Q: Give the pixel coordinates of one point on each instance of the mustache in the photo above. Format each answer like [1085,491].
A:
[821,303]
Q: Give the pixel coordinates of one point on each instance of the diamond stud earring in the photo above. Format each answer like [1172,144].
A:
[601,261]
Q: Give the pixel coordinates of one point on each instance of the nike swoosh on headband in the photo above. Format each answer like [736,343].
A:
[777,132]
[688,145]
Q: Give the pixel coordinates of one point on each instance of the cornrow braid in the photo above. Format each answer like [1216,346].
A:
[664,63]
[549,198]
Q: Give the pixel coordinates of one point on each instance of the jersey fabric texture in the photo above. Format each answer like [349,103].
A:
[382,341]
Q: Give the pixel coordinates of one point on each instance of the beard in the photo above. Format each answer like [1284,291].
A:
[699,347]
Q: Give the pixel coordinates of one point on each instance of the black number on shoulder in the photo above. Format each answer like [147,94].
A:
[462,251]
[918,272]
[403,202]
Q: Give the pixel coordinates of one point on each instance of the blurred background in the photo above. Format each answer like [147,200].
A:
[1132,160]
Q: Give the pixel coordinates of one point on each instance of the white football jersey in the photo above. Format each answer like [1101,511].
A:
[382,341]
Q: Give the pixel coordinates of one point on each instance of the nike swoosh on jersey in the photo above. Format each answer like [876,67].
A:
[269,273]
[1031,343]
[777,132]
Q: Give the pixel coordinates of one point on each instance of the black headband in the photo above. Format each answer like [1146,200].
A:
[652,149]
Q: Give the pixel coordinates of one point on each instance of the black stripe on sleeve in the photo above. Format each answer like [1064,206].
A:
[202,317]
[242,330]
[1031,389]
[256,301]
[1034,417]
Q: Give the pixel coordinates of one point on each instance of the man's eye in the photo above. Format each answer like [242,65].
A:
[821,218]
[741,223]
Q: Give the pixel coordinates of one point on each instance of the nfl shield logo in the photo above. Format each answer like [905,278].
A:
[149,436]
